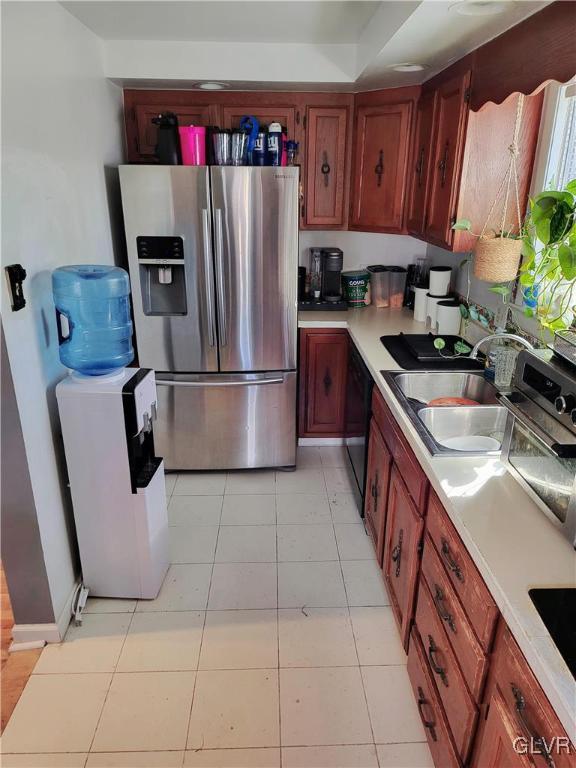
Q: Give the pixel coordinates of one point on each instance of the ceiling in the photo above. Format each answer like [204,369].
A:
[322,44]
[299,21]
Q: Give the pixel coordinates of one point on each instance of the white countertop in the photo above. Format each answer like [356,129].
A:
[512,542]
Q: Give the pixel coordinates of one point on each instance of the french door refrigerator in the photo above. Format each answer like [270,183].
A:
[213,258]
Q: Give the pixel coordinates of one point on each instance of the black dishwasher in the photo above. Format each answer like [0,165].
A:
[359,384]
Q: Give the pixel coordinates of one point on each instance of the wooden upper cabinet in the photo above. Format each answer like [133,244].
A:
[401,564]
[285,115]
[421,160]
[451,118]
[146,131]
[323,368]
[326,165]
[381,160]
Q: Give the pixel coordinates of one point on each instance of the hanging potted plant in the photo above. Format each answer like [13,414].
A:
[497,252]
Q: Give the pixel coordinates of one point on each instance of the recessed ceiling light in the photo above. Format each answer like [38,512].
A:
[479,7]
[212,86]
[407,67]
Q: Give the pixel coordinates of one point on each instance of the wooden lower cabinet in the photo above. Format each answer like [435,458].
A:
[401,564]
[429,707]
[377,482]
[322,389]
[518,725]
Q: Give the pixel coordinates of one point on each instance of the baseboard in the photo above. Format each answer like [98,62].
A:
[322,442]
[24,634]
[30,645]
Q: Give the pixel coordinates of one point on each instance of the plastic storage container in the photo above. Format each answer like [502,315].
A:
[397,278]
[355,284]
[379,285]
[93,318]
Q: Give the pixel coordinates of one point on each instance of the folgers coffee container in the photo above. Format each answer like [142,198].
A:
[260,149]
[355,284]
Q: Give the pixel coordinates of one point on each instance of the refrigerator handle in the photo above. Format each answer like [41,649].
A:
[209,277]
[219,383]
[220,278]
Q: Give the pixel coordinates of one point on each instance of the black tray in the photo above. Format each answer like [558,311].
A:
[406,359]
[423,349]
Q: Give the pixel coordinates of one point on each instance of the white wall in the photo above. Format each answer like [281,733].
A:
[363,248]
[61,127]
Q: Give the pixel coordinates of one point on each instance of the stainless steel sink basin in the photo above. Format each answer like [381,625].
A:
[424,386]
[444,423]
[414,390]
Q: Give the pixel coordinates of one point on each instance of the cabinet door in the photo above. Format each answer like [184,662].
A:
[286,116]
[451,120]
[326,165]
[147,131]
[496,747]
[323,366]
[402,549]
[421,160]
[377,480]
[381,160]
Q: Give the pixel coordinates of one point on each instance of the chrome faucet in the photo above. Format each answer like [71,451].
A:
[495,336]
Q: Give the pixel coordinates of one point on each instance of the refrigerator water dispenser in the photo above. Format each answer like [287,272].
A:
[162,275]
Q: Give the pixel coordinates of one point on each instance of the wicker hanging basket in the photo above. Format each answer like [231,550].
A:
[497,256]
[496,259]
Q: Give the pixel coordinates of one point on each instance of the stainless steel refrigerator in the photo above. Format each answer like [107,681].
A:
[213,257]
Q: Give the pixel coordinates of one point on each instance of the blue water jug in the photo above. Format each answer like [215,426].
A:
[93,317]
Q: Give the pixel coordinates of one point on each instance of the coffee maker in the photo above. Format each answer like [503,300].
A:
[332,260]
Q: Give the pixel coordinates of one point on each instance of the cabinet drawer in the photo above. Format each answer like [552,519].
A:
[414,478]
[460,708]
[472,659]
[529,708]
[430,708]
[480,608]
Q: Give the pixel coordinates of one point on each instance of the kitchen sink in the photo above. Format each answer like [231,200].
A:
[424,386]
[436,424]
[557,609]
[444,423]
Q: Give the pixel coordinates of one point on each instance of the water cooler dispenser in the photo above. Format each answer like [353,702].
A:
[107,413]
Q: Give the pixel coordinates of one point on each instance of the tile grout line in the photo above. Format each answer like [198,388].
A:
[132,614]
[278,635]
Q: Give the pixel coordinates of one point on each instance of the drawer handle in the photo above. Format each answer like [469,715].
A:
[443,164]
[441,608]
[450,562]
[375,491]
[420,166]
[379,168]
[537,741]
[440,671]
[397,552]
[429,724]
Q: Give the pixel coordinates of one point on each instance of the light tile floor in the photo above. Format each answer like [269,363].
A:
[271,643]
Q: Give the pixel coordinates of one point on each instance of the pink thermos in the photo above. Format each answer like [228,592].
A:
[193,144]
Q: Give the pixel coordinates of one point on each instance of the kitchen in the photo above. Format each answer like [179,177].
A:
[343,588]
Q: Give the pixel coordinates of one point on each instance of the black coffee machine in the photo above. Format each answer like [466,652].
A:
[332,261]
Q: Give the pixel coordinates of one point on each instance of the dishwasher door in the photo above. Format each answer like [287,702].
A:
[359,384]
[226,421]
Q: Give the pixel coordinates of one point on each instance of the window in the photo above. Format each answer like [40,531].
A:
[556,153]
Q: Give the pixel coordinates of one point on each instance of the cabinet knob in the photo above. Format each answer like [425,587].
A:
[325,169]
[379,168]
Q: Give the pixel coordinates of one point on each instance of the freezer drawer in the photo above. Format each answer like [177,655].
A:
[226,421]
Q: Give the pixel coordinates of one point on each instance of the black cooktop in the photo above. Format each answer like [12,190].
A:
[557,609]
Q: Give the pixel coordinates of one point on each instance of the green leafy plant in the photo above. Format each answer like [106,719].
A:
[548,270]
[547,274]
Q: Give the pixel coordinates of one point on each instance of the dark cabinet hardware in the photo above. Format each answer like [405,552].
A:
[374,491]
[451,564]
[443,164]
[325,169]
[420,166]
[327,381]
[441,608]
[440,671]
[297,117]
[538,742]
[429,724]
[379,169]
[397,553]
